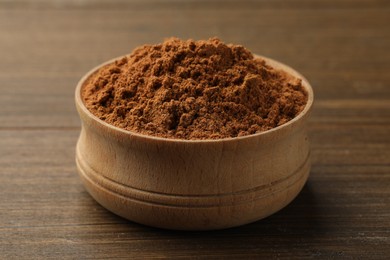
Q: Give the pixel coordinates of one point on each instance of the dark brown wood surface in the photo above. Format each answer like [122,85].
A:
[342,47]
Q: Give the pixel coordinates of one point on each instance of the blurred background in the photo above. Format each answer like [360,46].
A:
[53,43]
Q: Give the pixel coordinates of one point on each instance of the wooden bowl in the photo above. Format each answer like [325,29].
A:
[193,184]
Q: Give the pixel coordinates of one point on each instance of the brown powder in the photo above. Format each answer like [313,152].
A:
[193,90]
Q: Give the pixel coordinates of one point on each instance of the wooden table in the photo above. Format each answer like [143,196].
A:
[343,47]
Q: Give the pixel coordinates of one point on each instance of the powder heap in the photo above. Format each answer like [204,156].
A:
[193,90]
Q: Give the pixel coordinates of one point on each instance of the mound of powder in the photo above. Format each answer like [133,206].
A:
[193,90]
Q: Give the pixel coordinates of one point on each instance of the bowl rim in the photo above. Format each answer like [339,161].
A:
[269,61]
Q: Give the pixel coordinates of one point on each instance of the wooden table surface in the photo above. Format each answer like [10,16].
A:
[342,47]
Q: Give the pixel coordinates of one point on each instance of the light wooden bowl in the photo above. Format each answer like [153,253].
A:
[193,184]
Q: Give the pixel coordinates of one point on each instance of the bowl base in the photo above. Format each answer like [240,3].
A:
[182,212]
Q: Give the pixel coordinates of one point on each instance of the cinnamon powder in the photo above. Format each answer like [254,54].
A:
[193,90]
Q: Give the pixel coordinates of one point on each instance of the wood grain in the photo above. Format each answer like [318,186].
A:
[340,46]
